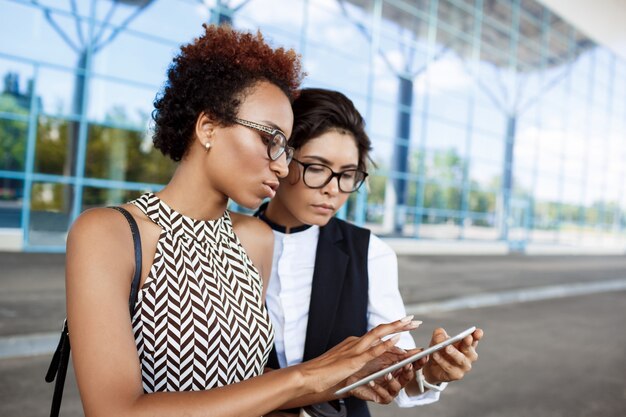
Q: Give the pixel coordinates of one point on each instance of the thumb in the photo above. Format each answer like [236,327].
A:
[439,335]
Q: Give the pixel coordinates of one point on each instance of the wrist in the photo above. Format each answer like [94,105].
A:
[310,382]
[429,377]
[412,388]
[301,379]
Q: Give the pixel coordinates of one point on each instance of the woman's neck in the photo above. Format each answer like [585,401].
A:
[277,213]
[193,195]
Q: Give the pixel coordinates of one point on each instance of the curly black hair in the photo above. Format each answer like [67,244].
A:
[211,75]
[317,111]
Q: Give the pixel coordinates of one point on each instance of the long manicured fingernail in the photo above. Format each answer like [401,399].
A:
[372,384]
[407,319]
[413,324]
[388,377]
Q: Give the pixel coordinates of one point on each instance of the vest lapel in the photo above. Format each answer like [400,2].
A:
[331,262]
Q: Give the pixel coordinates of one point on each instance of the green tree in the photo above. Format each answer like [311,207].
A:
[122,153]
[51,147]
[13,133]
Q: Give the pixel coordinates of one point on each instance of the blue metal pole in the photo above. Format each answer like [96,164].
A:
[81,153]
[511,127]
[588,127]
[465,192]
[421,168]
[31,144]
[361,198]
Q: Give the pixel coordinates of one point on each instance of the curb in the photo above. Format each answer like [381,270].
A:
[516,296]
[45,343]
[28,345]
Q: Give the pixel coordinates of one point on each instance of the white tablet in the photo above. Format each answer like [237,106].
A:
[408,360]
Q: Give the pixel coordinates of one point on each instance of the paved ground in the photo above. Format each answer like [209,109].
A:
[561,357]
[557,358]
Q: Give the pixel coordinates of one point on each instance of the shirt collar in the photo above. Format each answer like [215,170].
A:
[278,227]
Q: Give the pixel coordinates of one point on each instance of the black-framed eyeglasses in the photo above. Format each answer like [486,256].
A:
[275,139]
[318,175]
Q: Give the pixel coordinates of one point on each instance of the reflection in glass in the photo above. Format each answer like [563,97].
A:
[439,227]
[11,195]
[13,135]
[441,197]
[445,166]
[482,202]
[50,209]
[125,155]
[282,25]
[475,94]
[485,175]
[104,197]
[120,103]
[52,146]
[355,69]
[56,89]
[447,136]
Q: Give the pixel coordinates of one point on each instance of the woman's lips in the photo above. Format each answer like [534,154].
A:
[270,189]
[323,208]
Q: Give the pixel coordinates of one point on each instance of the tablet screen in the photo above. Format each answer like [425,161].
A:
[408,360]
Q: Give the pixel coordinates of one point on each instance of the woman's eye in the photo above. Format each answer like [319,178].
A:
[316,169]
[348,175]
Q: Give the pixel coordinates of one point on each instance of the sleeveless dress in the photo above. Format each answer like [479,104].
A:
[199,321]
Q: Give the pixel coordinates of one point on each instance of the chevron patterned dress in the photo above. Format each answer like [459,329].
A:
[199,320]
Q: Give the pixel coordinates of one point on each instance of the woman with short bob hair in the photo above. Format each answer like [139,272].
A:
[332,279]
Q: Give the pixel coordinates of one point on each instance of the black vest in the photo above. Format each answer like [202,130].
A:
[339,295]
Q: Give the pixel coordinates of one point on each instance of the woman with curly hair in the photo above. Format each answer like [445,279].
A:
[199,335]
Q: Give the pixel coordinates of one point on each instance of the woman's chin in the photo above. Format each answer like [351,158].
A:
[316,219]
[250,204]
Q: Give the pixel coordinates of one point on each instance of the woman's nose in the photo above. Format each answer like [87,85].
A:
[333,186]
[280,166]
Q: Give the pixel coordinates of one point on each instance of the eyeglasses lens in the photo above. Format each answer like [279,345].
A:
[317,176]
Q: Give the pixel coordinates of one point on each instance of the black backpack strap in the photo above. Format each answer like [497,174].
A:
[58,369]
[58,365]
[134,287]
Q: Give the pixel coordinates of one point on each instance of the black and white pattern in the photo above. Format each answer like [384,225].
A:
[199,321]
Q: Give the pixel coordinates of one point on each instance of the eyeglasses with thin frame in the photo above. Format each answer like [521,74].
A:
[276,140]
[318,175]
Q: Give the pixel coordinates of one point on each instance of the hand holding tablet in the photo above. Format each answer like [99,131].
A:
[408,360]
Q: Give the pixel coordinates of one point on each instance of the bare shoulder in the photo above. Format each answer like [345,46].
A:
[98,236]
[100,223]
[250,227]
[98,273]
[257,239]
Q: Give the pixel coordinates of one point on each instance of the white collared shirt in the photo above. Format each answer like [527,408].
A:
[291,283]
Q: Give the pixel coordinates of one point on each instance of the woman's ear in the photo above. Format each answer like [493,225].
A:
[205,129]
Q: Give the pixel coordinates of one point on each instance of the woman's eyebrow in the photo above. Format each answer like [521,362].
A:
[325,161]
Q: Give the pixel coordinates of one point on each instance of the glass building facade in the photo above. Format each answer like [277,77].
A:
[491,120]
